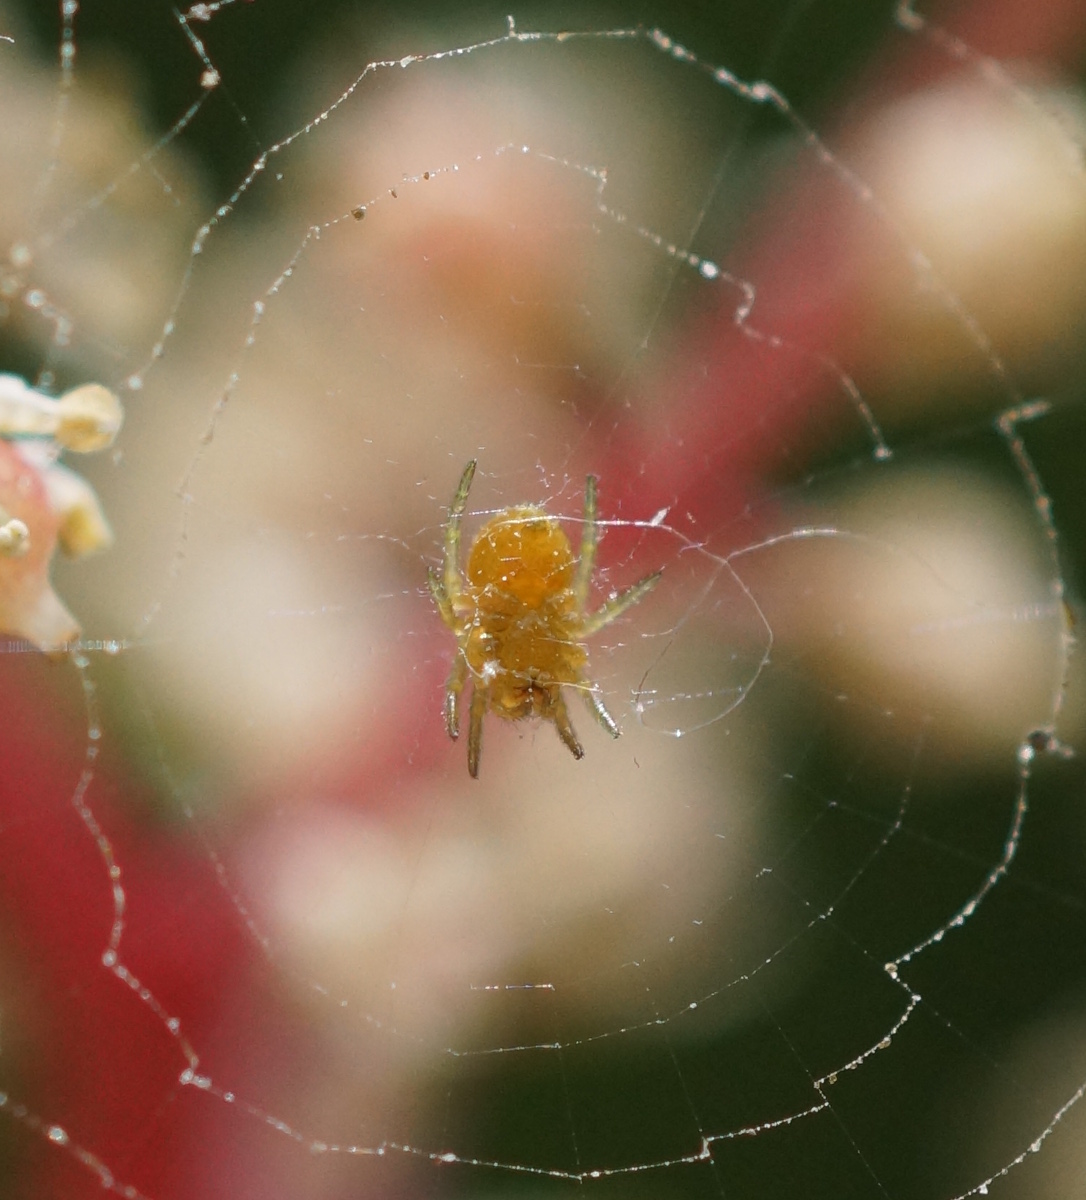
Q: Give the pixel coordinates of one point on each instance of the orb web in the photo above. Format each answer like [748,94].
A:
[801,289]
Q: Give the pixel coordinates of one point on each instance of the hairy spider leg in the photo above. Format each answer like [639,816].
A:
[445,588]
[452,534]
[446,592]
[598,709]
[617,605]
[437,590]
[589,541]
[454,685]
[565,726]
[475,729]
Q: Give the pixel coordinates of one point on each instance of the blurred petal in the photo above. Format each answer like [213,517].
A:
[90,417]
[83,525]
[29,608]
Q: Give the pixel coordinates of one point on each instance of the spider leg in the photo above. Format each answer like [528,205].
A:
[451,567]
[475,730]
[590,539]
[598,709]
[454,685]
[617,605]
[437,590]
[565,726]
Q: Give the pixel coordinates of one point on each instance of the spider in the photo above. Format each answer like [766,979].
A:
[519,617]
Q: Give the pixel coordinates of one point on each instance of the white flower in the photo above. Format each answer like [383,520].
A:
[43,504]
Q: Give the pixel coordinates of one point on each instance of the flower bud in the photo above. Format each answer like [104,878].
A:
[90,417]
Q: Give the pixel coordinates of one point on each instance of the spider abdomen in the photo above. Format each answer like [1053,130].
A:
[522,554]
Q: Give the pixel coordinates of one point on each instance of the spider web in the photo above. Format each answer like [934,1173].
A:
[802,287]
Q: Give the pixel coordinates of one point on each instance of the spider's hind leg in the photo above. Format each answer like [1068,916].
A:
[617,605]
[590,540]
[451,570]
[441,599]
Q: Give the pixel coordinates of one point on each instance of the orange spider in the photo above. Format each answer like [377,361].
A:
[519,617]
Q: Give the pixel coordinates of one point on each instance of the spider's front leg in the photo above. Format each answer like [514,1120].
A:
[598,709]
[475,729]
[454,685]
[564,725]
